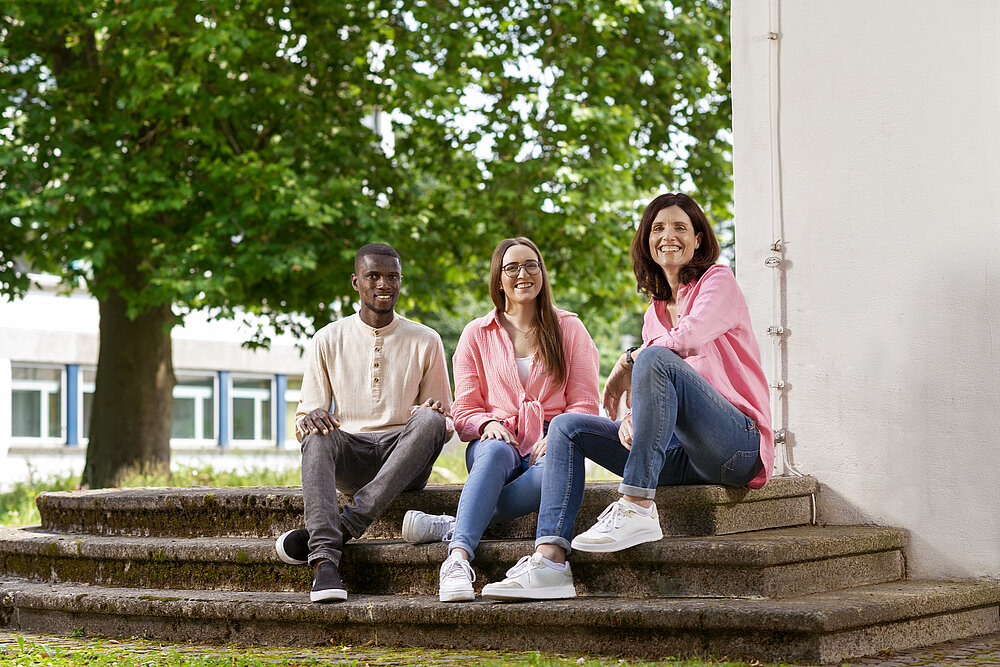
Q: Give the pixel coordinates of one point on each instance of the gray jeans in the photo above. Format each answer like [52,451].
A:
[373,467]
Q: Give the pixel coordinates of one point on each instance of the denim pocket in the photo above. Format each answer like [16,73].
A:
[740,468]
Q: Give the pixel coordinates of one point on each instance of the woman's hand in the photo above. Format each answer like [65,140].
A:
[494,430]
[625,432]
[537,451]
[619,382]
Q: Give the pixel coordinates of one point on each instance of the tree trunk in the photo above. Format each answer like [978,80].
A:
[133,398]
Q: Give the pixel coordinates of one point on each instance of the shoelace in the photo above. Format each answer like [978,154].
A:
[610,518]
[520,566]
[441,524]
[461,564]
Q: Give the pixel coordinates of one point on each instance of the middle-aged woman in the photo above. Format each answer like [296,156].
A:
[699,398]
[515,370]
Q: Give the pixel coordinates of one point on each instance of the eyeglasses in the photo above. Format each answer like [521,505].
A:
[514,269]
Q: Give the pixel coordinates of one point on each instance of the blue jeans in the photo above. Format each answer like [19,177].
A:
[501,487]
[684,432]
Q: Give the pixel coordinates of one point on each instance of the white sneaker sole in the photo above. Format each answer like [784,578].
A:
[329,595]
[619,545]
[492,592]
[456,596]
[279,547]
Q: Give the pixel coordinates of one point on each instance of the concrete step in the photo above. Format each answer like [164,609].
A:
[269,511]
[763,564]
[819,628]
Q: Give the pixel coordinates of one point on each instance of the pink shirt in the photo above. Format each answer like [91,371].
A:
[488,388]
[715,337]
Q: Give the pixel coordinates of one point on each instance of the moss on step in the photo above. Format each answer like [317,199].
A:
[158,571]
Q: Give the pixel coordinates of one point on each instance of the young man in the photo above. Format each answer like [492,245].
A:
[372,418]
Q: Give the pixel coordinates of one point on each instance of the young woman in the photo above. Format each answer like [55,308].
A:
[515,370]
[700,405]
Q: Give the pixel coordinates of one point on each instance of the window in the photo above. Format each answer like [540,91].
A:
[88,379]
[193,410]
[37,402]
[194,407]
[291,405]
[252,409]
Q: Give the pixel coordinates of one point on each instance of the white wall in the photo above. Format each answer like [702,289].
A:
[890,183]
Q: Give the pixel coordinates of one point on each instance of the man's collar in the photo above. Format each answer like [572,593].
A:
[380,330]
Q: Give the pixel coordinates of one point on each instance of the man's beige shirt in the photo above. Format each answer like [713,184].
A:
[372,377]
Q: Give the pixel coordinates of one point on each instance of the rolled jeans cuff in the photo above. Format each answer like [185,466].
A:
[636,491]
[324,554]
[556,540]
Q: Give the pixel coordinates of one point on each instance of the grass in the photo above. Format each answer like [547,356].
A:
[17,506]
[99,652]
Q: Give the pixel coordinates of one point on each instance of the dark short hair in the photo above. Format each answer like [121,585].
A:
[375,249]
[648,274]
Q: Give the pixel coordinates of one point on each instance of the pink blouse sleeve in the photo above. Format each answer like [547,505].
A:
[582,368]
[716,307]
[469,408]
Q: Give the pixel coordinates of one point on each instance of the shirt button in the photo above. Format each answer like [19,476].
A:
[376,380]
[376,364]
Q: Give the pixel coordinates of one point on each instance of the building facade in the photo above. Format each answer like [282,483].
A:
[231,405]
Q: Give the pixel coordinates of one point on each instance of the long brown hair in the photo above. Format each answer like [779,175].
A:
[648,274]
[550,343]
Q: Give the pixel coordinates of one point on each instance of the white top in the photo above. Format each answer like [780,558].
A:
[523,368]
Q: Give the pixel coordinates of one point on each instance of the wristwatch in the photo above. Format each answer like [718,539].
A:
[628,355]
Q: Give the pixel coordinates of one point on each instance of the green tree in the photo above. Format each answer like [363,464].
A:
[200,154]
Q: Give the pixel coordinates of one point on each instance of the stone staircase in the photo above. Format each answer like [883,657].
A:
[742,574]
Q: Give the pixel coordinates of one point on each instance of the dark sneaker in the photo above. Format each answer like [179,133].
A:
[327,586]
[293,547]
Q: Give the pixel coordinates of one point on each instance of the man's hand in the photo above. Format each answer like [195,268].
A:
[619,382]
[537,451]
[319,420]
[430,403]
[494,430]
[625,432]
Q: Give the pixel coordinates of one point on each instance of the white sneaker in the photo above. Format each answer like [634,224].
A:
[456,580]
[419,527]
[533,579]
[619,527]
